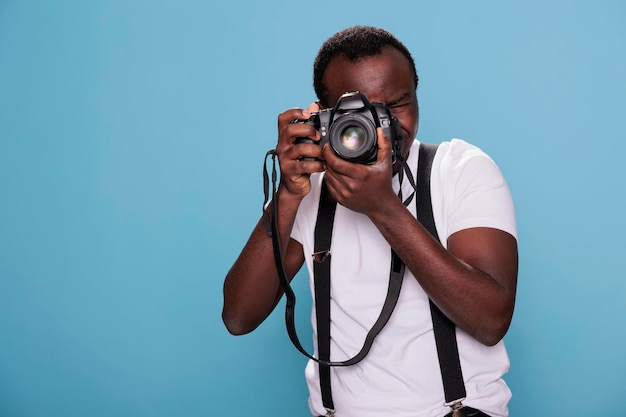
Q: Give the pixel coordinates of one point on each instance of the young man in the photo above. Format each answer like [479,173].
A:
[471,276]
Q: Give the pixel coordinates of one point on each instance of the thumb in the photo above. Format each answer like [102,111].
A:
[313,107]
[384,146]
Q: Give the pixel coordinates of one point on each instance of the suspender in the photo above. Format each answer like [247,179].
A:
[321,272]
[444,329]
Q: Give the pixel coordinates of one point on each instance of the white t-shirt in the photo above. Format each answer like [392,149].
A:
[400,376]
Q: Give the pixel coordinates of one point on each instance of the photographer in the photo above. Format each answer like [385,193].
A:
[470,276]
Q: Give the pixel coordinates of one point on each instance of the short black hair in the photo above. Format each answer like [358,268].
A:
[354,43]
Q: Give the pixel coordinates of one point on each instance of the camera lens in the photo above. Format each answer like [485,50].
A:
[353,138]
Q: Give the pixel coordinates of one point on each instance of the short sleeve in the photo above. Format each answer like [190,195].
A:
[470,191]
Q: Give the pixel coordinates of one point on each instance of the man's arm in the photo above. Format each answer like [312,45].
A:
[473,282]
[252,287]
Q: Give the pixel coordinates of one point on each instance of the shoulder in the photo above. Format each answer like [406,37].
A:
[451,153]
[458,151]
[468,186]
[459,160]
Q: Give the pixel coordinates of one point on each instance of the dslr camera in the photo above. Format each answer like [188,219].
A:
[350,128]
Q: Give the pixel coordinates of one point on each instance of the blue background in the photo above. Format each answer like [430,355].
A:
[132,137]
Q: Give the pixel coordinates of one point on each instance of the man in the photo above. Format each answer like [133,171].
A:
[471,276]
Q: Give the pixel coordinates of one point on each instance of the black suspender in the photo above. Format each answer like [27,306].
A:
[321,272]
[444,329]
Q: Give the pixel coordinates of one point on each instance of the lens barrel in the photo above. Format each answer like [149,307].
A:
[352,136]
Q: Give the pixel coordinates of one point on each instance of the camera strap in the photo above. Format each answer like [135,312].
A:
[322,268]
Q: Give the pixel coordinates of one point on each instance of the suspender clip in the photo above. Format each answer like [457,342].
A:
[457,408]
[320,257]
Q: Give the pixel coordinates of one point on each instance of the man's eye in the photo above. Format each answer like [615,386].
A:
[399,105]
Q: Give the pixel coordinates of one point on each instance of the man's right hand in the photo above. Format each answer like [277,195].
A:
[298,160]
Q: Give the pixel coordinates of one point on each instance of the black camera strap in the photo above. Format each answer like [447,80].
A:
[322,268]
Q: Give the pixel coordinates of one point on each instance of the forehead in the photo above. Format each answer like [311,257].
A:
[383,77]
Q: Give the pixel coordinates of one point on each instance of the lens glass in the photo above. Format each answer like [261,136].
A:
[353,138]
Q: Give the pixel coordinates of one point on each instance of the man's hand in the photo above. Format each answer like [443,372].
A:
[298,161]
[361,188]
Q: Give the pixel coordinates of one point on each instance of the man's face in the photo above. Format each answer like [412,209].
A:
[385,78]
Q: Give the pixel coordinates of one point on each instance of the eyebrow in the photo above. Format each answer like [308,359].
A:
[397,100]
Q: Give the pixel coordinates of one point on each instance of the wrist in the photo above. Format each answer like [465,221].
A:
[287,198]
[387,207]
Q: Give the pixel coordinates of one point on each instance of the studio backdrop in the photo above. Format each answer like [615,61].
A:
[132,139]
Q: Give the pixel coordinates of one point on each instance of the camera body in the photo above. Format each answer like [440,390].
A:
[350,128]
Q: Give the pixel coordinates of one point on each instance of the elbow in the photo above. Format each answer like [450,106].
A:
[491,338]
[492,334]
[235,328]
[496,324]
[235,325]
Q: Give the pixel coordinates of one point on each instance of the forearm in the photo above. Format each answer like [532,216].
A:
[252,288]
[476,292]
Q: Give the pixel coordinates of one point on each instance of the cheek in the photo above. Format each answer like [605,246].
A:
[407,117]
[409,127]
